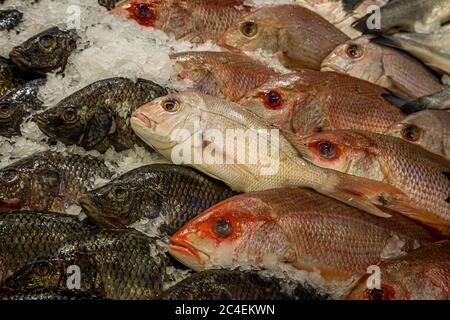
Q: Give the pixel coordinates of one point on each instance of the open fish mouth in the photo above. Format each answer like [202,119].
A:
[188,255]
[96,215]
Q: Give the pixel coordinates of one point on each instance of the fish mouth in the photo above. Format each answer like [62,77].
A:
[142,117]
[9,204]
[18,58]
[97,216]
[187,254]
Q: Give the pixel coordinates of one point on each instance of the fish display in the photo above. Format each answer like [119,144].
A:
[429,129]
[9,19]
[384,66]
[45,52]
[301,38]
[193,20]
[407,15]
[293,229]
[17,106]
[222,284]
[436,101]
[25,236]
[423,177]
[421,275]
[223,74]
[311,101]
[48,181]
[97,116]
[113,264]
[10,77]
[174,193]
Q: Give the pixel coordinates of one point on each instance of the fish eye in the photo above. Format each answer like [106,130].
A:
[411,133]
[9,176]
[142,10]
[47,42]
[222,227]
[170,105]
[249,29]
[5,111]
[70,115]
[354,51]
[273,100]
[120,192]
[375,294]
[327,150]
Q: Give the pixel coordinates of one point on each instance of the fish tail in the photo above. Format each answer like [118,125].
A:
[361,25]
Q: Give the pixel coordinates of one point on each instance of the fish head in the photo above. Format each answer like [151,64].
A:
[45,52]
[258,30]
[169,121]
[221,235]
[359,58]
[386,291]
[11,116]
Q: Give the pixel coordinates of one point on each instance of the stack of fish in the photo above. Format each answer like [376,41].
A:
[351,168]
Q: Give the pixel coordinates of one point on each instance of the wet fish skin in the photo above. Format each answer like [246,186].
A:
[48,181]
[437,101]
[25,236]
[421,275]
[114,264]
[9,19]
[420,174]
[108,4]
[293,229]
[97,116]
[222,284]
[193,20]
[45,52]
[10,77]
[384,66]
[301,38]
[408,15]
[175,193]
[310,101]
[429,129]
[223,74]
[17,105]
[42,294]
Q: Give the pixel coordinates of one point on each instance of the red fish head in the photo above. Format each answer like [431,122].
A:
[145,12]
[221,235]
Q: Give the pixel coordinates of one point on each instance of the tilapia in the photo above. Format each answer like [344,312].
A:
[48,181]
[112,264]
[293,229]
[97,116]
[45,52]
[421,275]
[174,193]
[225,141]
[222,284]
[431,49]
[193,20]
[311,101]
[423,177]
[17,106]
[384,66]
[407,15]
[42,294]
[9,19]
[301,38]
[10,77]
[223,74]
[429,129]
[26,236]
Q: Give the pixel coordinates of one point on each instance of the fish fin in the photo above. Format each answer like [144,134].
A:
[395,99]
[387,41]
[361,25]
[413,107]
[99,127]
[44,189]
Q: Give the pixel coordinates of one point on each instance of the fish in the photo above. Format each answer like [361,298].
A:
[406,15]
[174,193]
[10,77]
[45,52]
[293,229]
[299,37]
[204,131]
[17,106]
[423,176]
[112,264]
[108,4]
[96,117]
[437,101]
[193,20]
[432,49]
[9,19]
[421,275]
[42,294]
[223,284]
[223,74]
[429,129]
[311,101]
[48,181]
[27,235]
[383,66]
